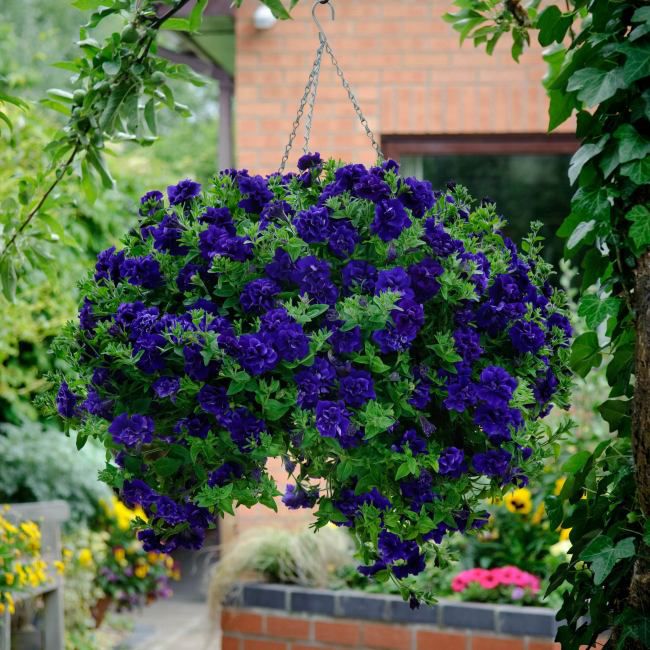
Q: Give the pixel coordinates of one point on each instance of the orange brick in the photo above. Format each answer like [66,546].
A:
[336,632]
[496,643]
[391,637]
[242,622]
[440,641]
[259,644]
[229,643]
[287,628]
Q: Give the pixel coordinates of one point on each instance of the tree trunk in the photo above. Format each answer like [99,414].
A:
[639,597]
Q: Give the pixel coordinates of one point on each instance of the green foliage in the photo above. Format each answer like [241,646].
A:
[119,86]
[599,67]
[41,464]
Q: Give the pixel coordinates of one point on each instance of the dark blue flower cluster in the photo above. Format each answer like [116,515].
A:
[381,337]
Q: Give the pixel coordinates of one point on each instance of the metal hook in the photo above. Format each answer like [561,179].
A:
[321,31]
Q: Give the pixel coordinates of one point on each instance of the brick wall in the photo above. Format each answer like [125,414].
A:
[277,617]
[408,70]
[262,630]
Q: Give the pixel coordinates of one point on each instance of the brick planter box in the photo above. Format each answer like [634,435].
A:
[279,617]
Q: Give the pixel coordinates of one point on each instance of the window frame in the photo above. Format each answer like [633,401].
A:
[466,144]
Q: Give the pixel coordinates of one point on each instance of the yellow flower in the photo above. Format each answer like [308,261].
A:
[141,571]
[119,554]
[564,534]
[519,501]
[153,557]
[10,578]
[10,602]
[169,562]
[559,484]
[59,566]
[539,514]
[85,557]
[67,553]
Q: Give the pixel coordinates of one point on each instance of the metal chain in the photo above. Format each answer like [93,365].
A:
[312,97]
[315,70]
[311,89]
[355,103]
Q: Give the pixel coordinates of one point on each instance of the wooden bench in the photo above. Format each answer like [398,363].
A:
[49,515]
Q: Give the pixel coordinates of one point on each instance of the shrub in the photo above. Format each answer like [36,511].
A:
[385,339]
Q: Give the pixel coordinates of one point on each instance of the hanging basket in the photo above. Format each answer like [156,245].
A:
[385,340]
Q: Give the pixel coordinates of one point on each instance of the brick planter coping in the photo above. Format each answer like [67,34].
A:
[288,617]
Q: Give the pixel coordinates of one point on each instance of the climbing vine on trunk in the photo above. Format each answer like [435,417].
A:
[598,53]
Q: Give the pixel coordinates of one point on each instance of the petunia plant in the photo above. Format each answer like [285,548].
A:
[386,340]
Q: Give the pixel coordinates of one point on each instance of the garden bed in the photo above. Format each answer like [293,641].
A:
[288,617]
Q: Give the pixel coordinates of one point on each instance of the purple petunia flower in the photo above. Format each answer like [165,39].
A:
[255,354]
[360,275]
[526,337]
[332,419]
[313,278]
[313,225]
[441,242]
[217,241]
[244,428]
[183,192]
[143,271]
[309,161]
[314,382]
[451,462]
[420,198]
[166,387]
[66,401]
[343,239]
[219,217]
[151,202]
[395,279]
[109,265]
[297,497]
[390,220]
[131,430]
[259,295]
[213,400]
[495,462]
[423,279]
[357,388]
[224,474]
[346,342]
[282,268]
[256,192]
[496,386]
[371,188]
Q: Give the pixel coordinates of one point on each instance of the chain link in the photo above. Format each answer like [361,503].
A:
[315,70]
[355,103]
[312,97]
[309,97]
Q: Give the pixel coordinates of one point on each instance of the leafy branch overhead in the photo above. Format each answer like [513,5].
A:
[119,86]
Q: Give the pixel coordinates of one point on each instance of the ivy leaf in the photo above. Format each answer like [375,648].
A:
[616,413]
[638,171]
[552,25]
[583,156]
[585,353]
[591,204]
[603,555]
[632,145]
[594,86]
[580,232]
[637,62]
[560,107]
[595,310]
[576,462]
[639,215]
[277,8]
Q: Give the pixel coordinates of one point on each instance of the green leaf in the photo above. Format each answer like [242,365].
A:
[596,309]
[8,278]
[591,204]
[115,101]
[88,5]
[603,555]
[150,116]
[277,8]
[580,232]
[632,145]
[616,413]
[637,61]
[167,466]
[560,107]
[95,159]
[638,171]
[177,25]
[553,25]
[196,14]
[402,471]
[594,86]
[554,509]
[639,215]
[585,353]
[576,462]
[583,156]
